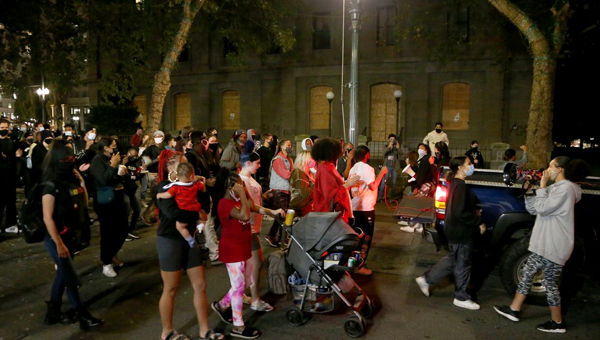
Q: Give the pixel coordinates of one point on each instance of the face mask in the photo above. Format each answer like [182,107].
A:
[438,130]
[158,140]
[422,152]
[214,147]
[3,133]
[470,170]
[288,150]
[553,174]
[437,155]
[239,142]
[48,141]
[133,158]
[475,148]
[237,199]
[91,136]
[23,129]
[41,128]
[29,140]
[253,137]
[68,133]
[271,143]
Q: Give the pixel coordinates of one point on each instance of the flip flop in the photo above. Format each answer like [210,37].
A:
[212,335]
[247,333]
[226,316]
[261,306]
[175,336]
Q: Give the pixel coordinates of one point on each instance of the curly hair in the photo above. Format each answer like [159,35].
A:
[327,149]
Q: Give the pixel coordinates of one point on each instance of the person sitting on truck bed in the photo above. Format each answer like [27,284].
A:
[463,218]
[510,157]
[553,237]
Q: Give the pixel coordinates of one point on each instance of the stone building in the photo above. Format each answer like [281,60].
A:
[477,91]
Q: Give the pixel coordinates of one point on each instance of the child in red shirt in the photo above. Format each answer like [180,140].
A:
[185,192]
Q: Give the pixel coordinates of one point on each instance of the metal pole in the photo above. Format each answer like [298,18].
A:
[330,118]
[355,17]
[398,117]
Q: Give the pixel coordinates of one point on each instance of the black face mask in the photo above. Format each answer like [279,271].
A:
[475,148]
[48,141]
[214,147]
[29,140]
[133,158]
[438,130]
[3,133]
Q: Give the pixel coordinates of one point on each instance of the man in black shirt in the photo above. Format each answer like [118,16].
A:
[266,155]
[8,178]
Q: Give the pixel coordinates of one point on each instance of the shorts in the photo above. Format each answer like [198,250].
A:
[256,242]
[175,255]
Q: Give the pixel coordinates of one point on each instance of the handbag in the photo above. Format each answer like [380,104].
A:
[105,194]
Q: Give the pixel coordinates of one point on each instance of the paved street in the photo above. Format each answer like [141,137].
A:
[129,303]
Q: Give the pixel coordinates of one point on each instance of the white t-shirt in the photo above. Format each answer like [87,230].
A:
[256,193]
[363,198]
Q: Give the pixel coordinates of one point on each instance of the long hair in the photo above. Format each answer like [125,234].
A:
[58,151]
[165,158]
[454,164]
[280,146]
[443,149]
[301,162]
[225,180]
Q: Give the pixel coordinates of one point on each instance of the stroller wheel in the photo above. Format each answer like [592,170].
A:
[355,326]
[296,317]
[367,309]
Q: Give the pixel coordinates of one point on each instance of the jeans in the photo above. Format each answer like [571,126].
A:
[393,175]
[458,262]
[66,276]
[133,202]
[144,187]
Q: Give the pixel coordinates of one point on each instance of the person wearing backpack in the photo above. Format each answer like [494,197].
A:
[62,190]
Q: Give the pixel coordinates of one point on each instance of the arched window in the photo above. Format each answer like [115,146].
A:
[231,110]
[139,101]
[183,108]
[385,111]
[455,106]
[319,108]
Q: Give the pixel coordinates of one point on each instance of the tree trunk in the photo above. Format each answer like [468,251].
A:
[539,125]
[162,79]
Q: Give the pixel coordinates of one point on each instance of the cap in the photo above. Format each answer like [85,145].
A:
[46,134]
[159,133]
[238,133]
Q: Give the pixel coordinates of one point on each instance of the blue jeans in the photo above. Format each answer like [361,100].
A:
[66,276]
[391,174]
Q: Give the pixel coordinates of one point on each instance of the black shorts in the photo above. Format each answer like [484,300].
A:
[175,255]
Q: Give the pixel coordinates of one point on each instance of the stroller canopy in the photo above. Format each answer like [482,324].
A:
[319,229]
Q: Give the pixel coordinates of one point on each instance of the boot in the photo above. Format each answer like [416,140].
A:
[86,320]
[54,315]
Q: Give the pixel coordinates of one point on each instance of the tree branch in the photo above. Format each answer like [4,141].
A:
[561,17]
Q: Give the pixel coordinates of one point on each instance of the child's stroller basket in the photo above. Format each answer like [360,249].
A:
[320,247]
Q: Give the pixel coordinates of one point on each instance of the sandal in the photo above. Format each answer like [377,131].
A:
[246,333]
[247,300]
[261,306]
[175,336]
[212,335]
[226,316]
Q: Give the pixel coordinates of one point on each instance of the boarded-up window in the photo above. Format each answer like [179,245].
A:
[385,111]
[455,107]
[231,110]
[319,108]
[183,108]
[139,101]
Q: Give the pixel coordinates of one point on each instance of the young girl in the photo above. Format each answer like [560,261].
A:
[281,170]
[235,250]
[185,192]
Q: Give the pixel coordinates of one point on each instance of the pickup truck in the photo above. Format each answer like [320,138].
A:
[509,228]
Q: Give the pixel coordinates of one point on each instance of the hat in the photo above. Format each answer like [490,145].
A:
[46,134]
[159,133]
[238,133]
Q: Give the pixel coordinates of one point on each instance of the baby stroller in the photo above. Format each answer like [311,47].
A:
[319,251]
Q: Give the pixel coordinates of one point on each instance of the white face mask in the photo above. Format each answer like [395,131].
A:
[68,133]
[41,128]
[553,174]
[158,140]
[91,136]
[237,199]
[422,152]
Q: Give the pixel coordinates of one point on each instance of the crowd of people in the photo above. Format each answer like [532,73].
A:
[192,188]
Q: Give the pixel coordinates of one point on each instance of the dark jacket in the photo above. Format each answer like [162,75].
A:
[153,152]
[423,170]
[475,154]
[104,174]
[461,216]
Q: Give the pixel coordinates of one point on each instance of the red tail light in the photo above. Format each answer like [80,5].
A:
[441,193]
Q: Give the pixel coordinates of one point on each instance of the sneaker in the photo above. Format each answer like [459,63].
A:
[261,306]
[508,313]
[128,239]
[552,327]
[402,223]
[133,236]
[247,299]
[467,304]
[422,283]
[364,271]
[13,230]
[407,229]
[272,242]
[109,271]
[418,228]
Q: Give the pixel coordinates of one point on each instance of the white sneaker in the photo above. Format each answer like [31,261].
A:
[13,230]
[407,229]
[402,223]
[423,285]
[468,304]
[108,270]
[418,228]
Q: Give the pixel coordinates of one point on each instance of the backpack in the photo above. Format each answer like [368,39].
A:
[31,216]
[278,273]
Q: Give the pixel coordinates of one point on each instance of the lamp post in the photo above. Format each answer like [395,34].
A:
[330,97]
[398,95]
[355,12]
[43,92]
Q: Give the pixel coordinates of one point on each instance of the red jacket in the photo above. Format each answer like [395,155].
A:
[329,185]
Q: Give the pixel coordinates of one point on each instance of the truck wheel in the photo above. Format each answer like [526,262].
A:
[512,264]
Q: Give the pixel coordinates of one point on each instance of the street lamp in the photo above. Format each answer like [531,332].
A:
[398,95]
[330,97]
[43,92]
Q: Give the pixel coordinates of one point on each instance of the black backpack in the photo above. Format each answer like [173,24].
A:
[31,216]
